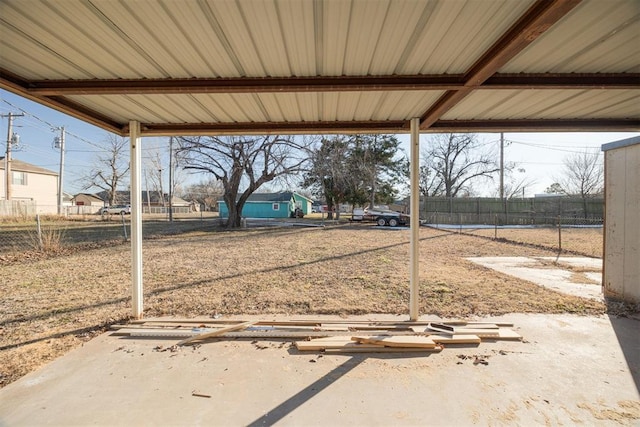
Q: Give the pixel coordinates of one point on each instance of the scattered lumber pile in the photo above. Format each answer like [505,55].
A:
[330,336]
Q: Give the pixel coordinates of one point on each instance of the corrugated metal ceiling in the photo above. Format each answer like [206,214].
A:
[245,66]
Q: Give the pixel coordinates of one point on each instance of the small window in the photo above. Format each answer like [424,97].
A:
[276,206]
[19,178]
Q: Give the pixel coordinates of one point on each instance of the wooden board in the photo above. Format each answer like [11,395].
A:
[476,324]
[331,343]
[215,333]
[157,333]
[382,349]
[509,334]
[481,332]
[455,339]
[459,328]
[410,341]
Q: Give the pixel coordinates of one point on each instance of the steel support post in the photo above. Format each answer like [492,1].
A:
[414,303]
[136,218]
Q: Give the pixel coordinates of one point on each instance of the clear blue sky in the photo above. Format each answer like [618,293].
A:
[540,154]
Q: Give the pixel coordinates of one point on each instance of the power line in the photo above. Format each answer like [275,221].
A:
[555,148]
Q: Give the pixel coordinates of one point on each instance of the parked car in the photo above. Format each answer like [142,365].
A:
[116,209]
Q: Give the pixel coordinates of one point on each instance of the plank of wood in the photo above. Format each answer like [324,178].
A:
[409,341]
[158,327]
[301,322]
[455,339]
[476,324]
[482,333]
[461,328]
[215,333]
[150,332]
[509,334]
[382,349]
[325,345]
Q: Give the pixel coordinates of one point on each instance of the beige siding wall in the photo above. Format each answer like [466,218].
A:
[42,189]
[85,200]
[622,224]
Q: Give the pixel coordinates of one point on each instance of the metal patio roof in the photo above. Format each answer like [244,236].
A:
[327,66]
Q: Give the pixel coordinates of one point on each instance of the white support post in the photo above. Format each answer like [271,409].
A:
[414,303]
[136,218]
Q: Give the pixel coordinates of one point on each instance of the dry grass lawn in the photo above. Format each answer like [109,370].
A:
[49,306]
[586,241]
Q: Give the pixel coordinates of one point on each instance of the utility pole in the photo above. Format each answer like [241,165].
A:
[171,179]
[59,143]
[11,139]
[501,166]
[161,190]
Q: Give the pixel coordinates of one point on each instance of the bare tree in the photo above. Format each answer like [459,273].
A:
[154,168]
[110,168]
[583,174]
[451,163]
[205,193]
[242,164]
[515,185]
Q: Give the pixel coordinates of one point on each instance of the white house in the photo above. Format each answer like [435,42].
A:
[32,188]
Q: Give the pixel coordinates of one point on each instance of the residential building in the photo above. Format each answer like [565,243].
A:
[270,205]
[32,187]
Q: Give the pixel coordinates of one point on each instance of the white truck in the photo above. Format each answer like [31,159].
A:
[381,216]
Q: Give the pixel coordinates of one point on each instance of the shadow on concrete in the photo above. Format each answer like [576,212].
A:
[315,388]
[307,393]
[627,332]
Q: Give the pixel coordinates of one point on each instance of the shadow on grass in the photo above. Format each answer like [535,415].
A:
[81,331]
[181,286]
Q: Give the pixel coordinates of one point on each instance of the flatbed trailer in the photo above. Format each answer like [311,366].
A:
[382,217]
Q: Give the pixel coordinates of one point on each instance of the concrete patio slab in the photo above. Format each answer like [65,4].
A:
[559,278]
[569,370]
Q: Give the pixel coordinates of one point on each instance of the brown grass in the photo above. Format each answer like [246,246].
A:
[585,241]
[49,306]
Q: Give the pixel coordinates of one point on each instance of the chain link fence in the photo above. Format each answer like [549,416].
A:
[51,233]
[580,236]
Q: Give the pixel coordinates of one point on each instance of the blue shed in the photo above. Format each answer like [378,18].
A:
[270,205]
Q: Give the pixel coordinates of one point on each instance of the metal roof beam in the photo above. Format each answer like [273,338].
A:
[18,86]
[245,85]
[537,125]
[260,128]
[563,81]
[538,19]
[327,84]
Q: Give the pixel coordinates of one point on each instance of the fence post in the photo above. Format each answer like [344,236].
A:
[124,226]
[495,233]
[39,230]
[559,234]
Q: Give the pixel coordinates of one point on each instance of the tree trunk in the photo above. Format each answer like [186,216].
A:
[235,217]
[330,207]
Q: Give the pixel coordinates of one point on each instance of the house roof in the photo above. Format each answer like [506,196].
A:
[320,66]
[19,165]
[283,196]
[89,196]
